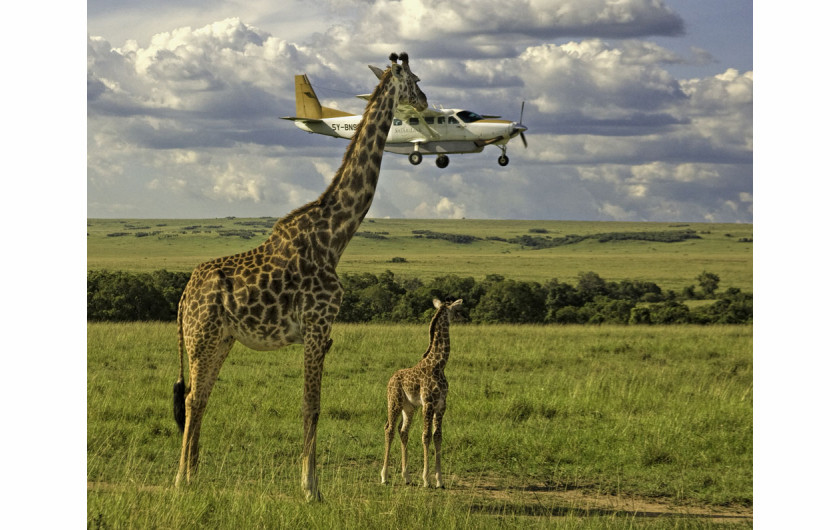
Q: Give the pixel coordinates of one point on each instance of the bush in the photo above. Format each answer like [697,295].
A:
[734,307]
[512,302]
[609,311]
[122,296]
[670,312]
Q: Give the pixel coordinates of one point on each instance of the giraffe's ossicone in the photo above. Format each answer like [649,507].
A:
[422,386]
[286,291]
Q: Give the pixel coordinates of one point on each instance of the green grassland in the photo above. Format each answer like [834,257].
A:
[536,416]
[179,245]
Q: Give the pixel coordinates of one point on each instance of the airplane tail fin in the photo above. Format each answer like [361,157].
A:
[307,104]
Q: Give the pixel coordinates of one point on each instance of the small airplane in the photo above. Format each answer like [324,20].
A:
[413,133]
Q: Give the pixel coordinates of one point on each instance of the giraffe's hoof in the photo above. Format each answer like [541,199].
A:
[314,498]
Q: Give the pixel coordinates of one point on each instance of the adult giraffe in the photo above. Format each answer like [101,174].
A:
[286,290]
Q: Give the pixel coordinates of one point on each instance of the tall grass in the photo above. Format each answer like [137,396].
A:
[662,412]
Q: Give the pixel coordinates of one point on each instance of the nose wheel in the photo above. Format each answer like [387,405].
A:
[442,161]
[503,158]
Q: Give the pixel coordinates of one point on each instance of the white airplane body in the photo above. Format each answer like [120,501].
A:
[431,132]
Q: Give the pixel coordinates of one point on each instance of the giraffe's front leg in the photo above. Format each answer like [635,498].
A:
[438,436]
[315,349]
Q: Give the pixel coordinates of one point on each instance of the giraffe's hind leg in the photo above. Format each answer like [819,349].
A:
[407,415]
[205,363]
[394,408]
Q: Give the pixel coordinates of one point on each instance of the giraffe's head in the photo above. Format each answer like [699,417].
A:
[405,83]
[447,306]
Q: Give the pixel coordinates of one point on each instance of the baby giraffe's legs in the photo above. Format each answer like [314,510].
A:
[407,415]
[438,436]
[428,415]
[390,427]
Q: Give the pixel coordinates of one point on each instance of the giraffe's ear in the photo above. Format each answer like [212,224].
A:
[437,303]
[456,303]
[376,71]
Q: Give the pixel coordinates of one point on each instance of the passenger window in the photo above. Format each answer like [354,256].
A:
[430,120]
[413,121]
[441,120]
[453,120]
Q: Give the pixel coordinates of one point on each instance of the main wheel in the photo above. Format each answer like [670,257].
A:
[415,158]
[503,160]
[442,161]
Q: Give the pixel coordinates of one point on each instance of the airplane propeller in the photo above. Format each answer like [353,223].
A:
[520,127]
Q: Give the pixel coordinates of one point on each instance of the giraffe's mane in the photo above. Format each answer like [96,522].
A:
[386,77]
[432,327]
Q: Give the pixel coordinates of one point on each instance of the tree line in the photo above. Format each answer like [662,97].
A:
[125,296]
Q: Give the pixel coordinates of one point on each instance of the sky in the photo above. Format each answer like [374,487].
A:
[638,110]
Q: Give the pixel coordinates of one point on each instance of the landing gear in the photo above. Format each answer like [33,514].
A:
[503,158]
[415,158]
[442,161]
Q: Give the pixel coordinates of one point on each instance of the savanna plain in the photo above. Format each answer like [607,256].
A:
[546,426]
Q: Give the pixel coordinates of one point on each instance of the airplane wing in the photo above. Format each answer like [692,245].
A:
[304,120]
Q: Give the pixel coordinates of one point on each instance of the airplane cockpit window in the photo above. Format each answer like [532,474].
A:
[397,121]
[469,116]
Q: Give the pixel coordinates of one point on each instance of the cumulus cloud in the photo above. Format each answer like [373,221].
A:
[186,124]
[416,19]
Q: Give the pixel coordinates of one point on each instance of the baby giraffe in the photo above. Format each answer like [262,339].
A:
[425,386]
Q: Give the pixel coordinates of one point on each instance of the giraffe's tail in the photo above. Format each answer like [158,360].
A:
[179,406]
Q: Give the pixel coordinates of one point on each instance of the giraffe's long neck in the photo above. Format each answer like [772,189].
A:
[349,196]
[438,352]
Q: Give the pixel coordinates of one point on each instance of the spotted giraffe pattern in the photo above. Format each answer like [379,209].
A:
[286,291]
[423,385]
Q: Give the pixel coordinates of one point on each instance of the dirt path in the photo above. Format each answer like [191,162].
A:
[488,496]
